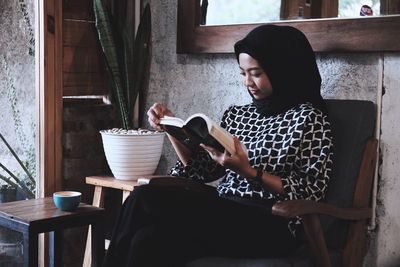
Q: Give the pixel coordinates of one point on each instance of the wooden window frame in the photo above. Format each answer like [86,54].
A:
[370,34]
[48,72]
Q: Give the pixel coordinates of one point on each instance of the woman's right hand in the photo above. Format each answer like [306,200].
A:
[155,113]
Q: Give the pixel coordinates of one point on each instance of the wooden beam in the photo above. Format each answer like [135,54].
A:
[48,54]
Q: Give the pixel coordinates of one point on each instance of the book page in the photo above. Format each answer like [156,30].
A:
[174,121]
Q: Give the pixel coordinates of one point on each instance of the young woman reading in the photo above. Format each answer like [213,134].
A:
[286,132]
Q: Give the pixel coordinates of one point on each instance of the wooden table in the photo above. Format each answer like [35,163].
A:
[35,216]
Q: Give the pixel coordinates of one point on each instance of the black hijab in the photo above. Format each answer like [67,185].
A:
[286,56]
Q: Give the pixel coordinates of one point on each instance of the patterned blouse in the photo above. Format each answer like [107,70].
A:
[295,145]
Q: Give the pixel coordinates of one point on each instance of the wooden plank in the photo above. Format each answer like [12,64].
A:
[40,211]
[98,201]
[91,90]
[125,195]
[107,181]
[82,59]
[315,240]
[355,249]
[298,207]
[80,33]
[78,9]
[84,84]
[73,79]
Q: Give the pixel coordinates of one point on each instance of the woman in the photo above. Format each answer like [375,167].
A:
[289,156]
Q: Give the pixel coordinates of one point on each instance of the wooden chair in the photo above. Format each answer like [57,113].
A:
[336,229]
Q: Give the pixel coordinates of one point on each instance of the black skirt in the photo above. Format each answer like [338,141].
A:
[171,222]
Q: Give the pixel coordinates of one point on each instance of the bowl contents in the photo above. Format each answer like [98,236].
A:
[130,132]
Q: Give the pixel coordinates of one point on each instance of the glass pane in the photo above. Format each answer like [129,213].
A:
[225,12]
[221,12]
[352,8]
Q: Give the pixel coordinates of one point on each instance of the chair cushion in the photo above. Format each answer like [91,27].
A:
[352,123]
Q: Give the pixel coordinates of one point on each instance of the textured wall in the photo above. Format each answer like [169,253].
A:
[388,237]
[210,83]
[17,80]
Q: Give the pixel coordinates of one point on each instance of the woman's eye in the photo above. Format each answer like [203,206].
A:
[242,73]
[257,74]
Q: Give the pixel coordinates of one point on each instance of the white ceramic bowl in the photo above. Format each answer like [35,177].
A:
[131,156]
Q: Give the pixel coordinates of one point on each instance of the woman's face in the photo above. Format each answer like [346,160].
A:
[255,78]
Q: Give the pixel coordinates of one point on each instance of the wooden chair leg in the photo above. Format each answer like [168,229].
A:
[98,201]
[316,240]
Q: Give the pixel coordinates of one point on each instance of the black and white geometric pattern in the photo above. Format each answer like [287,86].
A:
[295,145]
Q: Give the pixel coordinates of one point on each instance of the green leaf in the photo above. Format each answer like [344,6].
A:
[127,58]
[106,37]
[142,54]
[18,159]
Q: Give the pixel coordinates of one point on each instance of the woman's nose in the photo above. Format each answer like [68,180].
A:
[248,81]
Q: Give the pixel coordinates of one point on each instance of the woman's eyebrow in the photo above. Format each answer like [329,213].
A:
[250,69]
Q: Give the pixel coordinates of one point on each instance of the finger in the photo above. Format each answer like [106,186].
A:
[238,146]
[162,110]
[155,126]
[153,116]
[227,154]
[158,110]
[211,150]
[166,112]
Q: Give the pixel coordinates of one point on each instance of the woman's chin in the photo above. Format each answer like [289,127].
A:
[259,97]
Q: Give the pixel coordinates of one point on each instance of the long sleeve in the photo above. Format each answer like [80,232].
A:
[310,176]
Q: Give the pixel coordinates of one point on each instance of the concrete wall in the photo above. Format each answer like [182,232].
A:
[210,83]
[17,81]
[17,103]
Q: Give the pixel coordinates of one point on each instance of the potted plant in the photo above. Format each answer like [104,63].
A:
[15,186]
[130,153]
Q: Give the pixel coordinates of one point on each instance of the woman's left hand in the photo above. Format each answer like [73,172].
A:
[238,162]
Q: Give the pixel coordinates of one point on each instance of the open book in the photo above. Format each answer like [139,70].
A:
[197,129]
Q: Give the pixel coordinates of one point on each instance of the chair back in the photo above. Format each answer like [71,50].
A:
[352,124]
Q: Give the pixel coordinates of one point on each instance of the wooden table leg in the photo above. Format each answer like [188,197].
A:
[56,248]
[125,194]
[98,243]
[30,248]
[98,201]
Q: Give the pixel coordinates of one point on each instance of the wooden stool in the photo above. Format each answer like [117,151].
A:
[35,216]
[101,182]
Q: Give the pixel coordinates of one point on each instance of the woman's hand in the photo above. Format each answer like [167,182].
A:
[155,113]
[238,162]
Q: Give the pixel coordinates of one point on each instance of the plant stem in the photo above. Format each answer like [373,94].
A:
[20,183]
[8,181]
[18,159]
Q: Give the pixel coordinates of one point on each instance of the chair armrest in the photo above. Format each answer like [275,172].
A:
[293,208]
[309,210]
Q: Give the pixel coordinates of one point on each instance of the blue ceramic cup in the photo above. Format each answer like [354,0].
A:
[67,200]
